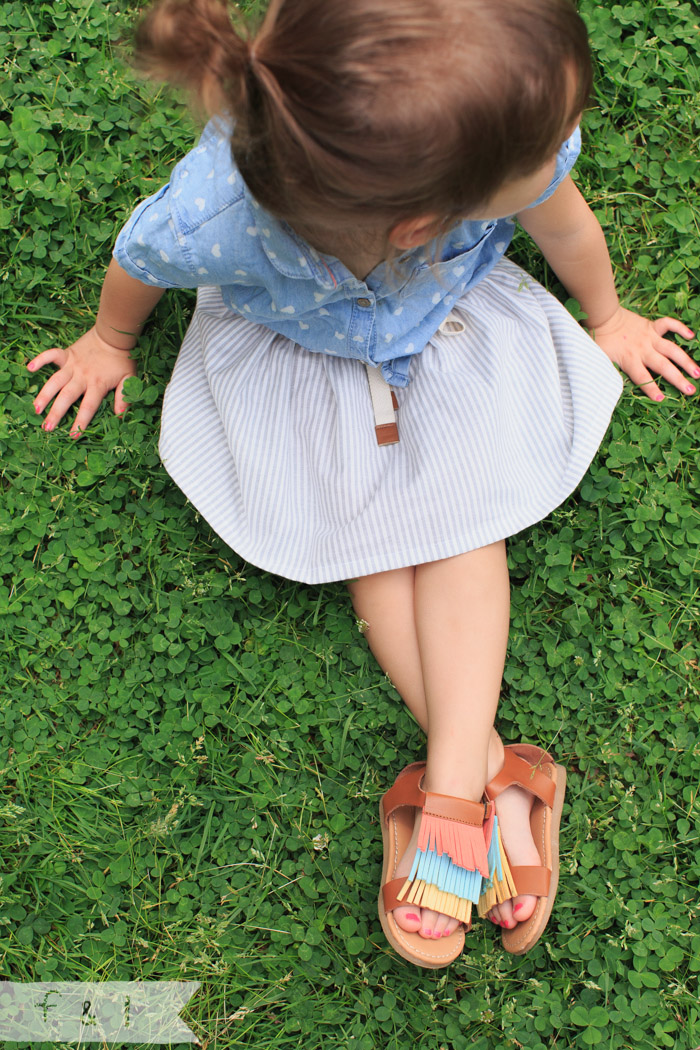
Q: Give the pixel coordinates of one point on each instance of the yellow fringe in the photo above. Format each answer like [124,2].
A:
[501,889]
[425,895]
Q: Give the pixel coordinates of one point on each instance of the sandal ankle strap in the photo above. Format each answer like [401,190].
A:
[526,774]
[408,791]
[460,809]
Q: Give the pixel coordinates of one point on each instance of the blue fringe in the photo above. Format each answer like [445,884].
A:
[494,857]
[441,871]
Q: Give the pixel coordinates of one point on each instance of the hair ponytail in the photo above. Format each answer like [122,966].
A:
[193,44]
[351,113]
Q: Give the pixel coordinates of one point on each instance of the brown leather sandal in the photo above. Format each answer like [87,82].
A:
[451,852]
[533,769]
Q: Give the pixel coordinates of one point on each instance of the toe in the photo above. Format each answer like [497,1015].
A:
[441,924]
[508,913]
[428,922]
[408,918]
[505,912]
[438,924]
[523,907]
[495,915]
[452,925]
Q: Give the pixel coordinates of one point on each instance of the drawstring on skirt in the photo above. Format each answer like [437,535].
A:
[384,403]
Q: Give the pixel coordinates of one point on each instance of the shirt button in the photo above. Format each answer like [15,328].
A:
[364,302]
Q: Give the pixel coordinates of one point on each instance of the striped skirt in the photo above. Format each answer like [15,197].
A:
[276,447]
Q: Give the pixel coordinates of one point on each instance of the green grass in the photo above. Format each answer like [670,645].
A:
[193,750]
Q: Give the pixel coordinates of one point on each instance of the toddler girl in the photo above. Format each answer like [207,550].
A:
[368,390]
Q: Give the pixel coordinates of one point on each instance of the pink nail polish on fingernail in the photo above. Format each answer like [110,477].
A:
[659,398]
[690,390]
[696,373]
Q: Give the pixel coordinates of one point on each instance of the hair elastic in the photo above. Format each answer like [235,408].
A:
[252,56]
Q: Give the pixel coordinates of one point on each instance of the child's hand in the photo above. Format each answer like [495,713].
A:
[88,369]
[637,345]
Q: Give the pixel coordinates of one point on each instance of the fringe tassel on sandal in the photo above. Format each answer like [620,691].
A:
[499,885]
[449,868]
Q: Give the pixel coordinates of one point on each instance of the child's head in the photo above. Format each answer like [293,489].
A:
[365,112]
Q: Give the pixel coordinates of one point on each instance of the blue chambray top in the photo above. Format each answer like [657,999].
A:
[205,228]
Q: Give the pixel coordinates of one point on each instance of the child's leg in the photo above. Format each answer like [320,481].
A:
[384,602]
[389,604]
[462,608]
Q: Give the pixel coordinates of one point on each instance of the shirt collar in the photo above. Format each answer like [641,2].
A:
[288,253]
[294,257]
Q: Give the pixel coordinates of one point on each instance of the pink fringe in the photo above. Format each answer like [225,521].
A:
[463,843]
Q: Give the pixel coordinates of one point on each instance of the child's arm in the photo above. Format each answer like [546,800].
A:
[99,361]
[571,240]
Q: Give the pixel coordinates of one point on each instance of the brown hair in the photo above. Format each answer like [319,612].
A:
[366,112]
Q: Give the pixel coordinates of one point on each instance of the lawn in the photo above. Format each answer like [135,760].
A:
[194,750]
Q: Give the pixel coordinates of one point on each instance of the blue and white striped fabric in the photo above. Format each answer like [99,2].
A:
[275,444]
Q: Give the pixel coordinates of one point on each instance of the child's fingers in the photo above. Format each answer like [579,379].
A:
[642,378]
[671,351]
[92,399]
[667,356]
[67,397]
[55,356]
[639,373]
[120,405]
[672,324]
[51,387]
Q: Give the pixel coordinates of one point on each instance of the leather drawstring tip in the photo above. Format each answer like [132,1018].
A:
[387,433]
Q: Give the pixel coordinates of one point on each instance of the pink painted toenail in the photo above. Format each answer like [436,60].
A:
[428,933]
[518,907]
[413,918]
[446,933]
